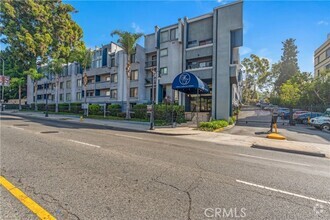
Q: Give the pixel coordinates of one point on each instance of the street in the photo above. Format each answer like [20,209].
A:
[79,171]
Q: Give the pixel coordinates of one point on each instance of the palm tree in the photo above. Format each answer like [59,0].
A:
[35,77]
[18,82]
[83,56]
[127,41]
[56,67]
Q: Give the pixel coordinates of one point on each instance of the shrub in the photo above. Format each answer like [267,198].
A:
[213,125]
[114,109]
[140,111]
[94,109]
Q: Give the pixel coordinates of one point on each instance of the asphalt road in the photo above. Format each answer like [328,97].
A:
[94,172]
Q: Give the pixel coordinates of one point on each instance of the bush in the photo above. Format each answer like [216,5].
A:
[164,112]
[213,125]
[114,109]
[140,111]
[231,120]
[94,109]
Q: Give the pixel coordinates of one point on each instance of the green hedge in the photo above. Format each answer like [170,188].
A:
[94,109]
[213,125]
[114,109]
[140,111]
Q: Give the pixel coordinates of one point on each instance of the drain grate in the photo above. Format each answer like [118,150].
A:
[20,125]
[48,132]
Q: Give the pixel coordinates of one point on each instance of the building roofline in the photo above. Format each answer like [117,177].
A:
[327,41]
[200,17]
[229,4]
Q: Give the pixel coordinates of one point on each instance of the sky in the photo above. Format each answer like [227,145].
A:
[266,23]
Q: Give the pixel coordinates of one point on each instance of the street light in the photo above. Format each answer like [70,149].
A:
[3,84]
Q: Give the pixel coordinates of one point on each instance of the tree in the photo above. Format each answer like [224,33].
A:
[288,66]
[128,42]
[18,82]
[35,76]
[56,68]
[257,76]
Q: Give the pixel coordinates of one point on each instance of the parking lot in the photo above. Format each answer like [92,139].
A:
[253,119]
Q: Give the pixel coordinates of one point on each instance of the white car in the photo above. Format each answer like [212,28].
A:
[322,122]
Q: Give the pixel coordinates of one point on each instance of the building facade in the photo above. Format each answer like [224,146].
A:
[206,46]
[322,57]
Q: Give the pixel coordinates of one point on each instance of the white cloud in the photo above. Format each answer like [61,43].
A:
[245,50]
[137,28]
[323,23]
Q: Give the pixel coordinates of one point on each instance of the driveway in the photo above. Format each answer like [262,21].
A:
[253,119]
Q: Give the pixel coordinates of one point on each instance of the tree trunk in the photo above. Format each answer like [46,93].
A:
[128,78]
[35,97]
[56,94]
[128,71]
[19,97]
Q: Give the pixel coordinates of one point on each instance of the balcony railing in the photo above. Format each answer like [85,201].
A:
[151,63]
[199,65]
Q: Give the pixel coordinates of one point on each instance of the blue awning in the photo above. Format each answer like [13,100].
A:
[189,83]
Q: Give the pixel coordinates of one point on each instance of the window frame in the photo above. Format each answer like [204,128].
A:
[161,71]
[163,55]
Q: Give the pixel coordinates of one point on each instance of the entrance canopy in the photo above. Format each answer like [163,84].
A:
[189,83]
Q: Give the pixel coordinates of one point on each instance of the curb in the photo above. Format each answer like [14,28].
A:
[108,126]
[308,153]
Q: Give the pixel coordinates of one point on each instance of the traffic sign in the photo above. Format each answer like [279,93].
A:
[149,108]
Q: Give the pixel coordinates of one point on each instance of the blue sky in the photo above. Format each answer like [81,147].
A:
[266,23]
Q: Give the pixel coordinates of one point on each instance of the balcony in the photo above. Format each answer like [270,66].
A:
[198,65]
[152,63]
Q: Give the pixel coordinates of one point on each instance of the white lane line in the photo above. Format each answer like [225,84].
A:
[284,192]
[128,136]
[282,161]
[79,142]
[18,128]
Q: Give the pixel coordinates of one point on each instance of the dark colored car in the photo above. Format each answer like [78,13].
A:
[303,118]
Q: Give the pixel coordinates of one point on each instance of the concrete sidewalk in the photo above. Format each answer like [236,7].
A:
[123,124]
[307,148]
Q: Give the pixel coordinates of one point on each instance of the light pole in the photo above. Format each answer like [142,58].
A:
[46,85]
[152,115]
[3,84]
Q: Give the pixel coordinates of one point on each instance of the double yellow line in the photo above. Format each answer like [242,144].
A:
[27,201]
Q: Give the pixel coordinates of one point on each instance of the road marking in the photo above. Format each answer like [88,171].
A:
[18,128]
[284,192]
[79,142]
[28,202]
[128,136]
[282,161]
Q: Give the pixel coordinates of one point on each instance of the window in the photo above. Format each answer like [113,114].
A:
[107,93]
[79,83]
[173,34]
[97,92]
[134,75]
[68,84]
[133,93]
[90,93]
[133,58]
[61,97]
[40,87]
[112,61]
[204,42]
[90,80]
[97,78]
[39,97]
[201,63]
[163,52]
[163,71]
[192,43]
[328,53]
[113,93]
[97,59]
[114,78]
[61,85]
[107,78]
[78,96]
[68,97]
[163,36]
[317,60]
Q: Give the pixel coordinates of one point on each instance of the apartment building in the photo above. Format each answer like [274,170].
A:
[206,46]
[322,57]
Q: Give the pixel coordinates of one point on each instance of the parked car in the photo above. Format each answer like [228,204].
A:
[322,122]
[282,110]
[270,107]
[297,113]
[303,118]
